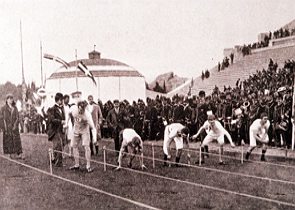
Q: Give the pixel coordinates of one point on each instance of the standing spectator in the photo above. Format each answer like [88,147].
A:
[70,122]
[56,121]
[96,114]
[231,58]
[114,121]
[9,121]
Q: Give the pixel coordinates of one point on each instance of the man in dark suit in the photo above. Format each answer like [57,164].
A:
[116,122]
[56,122]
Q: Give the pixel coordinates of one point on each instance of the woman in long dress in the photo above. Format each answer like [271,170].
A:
[9,120]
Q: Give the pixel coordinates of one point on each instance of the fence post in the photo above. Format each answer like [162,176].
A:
[104,158]
[153,150]
[50,160]
[200,156]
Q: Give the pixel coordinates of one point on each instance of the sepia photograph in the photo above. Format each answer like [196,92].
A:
[147,104]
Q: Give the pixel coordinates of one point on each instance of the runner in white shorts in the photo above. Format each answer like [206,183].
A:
[215,131]
[259,132]
[178,133]
[82,123]
[131,142]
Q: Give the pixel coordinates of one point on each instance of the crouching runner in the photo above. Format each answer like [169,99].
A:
[215,131]
[179,134]
[82,123]
[132,143]
[259,132]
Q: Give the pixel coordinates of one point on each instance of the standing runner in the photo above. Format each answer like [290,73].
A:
[82,123]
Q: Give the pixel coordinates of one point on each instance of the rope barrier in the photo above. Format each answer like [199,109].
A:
[234,158]
[202,185]
[236,151]
[217,170]
[82,185]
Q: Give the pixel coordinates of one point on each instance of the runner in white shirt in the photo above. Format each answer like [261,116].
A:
[131,142]
[259,132]
[82,123]
[215,131]
[178,133]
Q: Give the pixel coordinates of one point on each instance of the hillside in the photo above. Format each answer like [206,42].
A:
[171,81]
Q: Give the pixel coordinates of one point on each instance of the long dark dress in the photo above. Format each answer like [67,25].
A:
[9,121]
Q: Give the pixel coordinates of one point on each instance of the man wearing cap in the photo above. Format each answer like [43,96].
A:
[259,132]
[215,131]
[132,143]
[178,133]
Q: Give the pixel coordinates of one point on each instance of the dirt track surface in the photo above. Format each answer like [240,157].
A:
[23,188]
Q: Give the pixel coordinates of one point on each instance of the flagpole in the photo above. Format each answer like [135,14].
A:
[76,70]
[24,89]
[41,63]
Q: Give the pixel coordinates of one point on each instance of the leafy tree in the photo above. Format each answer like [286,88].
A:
[207,74]
[164,87]
[203,75]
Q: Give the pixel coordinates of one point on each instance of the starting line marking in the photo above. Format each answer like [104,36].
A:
[82,185]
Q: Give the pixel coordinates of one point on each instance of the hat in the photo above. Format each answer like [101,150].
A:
[116,101]
[209,112]
[281,89]
[76,94]
[238,111]
[9,95]
[202,93]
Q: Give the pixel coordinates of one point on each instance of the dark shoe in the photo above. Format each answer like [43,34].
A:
[222,163]
[247,156]
[74,168]
[198,162]
[262,158]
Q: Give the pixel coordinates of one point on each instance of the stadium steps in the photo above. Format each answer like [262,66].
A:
[241,69]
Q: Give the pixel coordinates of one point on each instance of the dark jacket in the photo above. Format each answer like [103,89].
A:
[55,116]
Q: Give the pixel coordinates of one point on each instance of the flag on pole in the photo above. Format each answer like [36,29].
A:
[81,66]
[57,59]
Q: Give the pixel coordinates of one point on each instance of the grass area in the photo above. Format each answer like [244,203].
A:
[22,188]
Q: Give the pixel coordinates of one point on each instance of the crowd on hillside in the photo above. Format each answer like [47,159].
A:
[269,90]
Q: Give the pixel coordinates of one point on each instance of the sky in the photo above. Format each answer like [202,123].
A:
[153,36]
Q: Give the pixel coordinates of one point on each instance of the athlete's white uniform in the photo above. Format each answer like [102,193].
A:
[216,132]
[128,134]
[260,130]
[69,130]
[81,126]
[82,122]
[170,134]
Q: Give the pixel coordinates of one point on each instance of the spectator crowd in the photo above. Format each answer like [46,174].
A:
[269,90]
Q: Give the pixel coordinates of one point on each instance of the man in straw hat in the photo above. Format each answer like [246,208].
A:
[215,131]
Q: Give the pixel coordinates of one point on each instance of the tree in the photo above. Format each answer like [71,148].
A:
[158,88]
[207,74]
[164,87]
[203,75]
